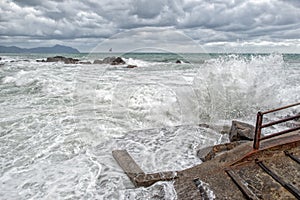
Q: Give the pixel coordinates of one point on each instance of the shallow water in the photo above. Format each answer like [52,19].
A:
[59,123]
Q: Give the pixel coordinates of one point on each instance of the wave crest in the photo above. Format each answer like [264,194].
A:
[236,86]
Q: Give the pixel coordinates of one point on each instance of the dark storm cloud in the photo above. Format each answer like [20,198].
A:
[28,3]
[204,21]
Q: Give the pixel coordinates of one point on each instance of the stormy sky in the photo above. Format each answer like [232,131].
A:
[178,25]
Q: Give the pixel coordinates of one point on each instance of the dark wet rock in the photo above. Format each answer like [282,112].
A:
[85,62]
[55,59]
[41,60]
[98,62]
[12,61]
[131,66]
[241,131]
[111,61]
[118,61]
[71,61]
[0,58]
[62,59]
[178,61]
[108,60]
[204,125]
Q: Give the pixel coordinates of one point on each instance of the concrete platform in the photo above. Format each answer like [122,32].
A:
[236,173]
[242,161]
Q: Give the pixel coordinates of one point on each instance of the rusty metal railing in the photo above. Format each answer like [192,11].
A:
[260,125]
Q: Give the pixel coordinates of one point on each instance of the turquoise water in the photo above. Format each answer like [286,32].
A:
[59,123]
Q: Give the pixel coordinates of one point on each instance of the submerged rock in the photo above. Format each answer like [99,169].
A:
[241,131]
[178,61]
[85,62]
[131,66]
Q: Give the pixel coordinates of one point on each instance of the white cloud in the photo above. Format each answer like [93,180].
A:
[206,21]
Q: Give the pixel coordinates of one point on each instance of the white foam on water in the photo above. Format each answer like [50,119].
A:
[59,123]
[9,79]
[139,63]
[160,190]
[236,87]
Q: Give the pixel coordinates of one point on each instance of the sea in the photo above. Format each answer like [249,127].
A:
[59,123]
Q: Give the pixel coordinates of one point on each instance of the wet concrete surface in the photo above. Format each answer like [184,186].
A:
[243,162]
[233,172]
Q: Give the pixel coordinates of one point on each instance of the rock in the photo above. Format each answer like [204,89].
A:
[0,58]
[178,61]
[210,152]
[85,62]
[206,154]
[55,59]
[62,59]
[118,61]
[108,60]
[111,61]
[241,131]
[98,62]
[204,125]
[222,129]
[71,61]
[131,66]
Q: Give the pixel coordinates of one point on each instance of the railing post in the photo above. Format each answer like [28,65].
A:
[259,120]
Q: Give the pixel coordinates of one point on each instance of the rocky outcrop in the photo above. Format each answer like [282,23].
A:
[118,61]
[111,61]
[98,62]
[178,61]
[107,60]
[241,131]
[61,59]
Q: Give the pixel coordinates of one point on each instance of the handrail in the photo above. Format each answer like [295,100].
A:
[259,125]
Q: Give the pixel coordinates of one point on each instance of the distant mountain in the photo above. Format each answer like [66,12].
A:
[55,49]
